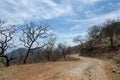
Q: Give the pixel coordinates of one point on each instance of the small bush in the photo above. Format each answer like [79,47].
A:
[117,59]
[1,65]
[69,58]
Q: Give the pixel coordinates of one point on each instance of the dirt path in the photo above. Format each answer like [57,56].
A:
[85,69]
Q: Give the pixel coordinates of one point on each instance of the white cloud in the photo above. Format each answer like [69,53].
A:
[91,1]
[81,13]
[71,35]
[95,20]
[50,2]
[68,37]
[41,9]
[77,26]
[89,13]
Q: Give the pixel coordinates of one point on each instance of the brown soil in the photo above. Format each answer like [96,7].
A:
[84,69]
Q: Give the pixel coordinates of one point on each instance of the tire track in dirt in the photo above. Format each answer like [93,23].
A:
[84,69]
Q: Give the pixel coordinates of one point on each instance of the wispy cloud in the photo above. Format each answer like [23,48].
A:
[77,26]
[71,35]
[41,9]
[95,20]
[68,17]
[91,1]
[68,37]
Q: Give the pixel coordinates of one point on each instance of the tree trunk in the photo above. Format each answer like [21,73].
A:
[111,41]
[112,45]
[48,56]
[24,61]
[7,62]
[64,55]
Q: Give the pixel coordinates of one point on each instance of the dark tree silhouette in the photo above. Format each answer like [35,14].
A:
[94,31]
[80,42]
[109,31]
[63,49]
[50,46]
[6,36]
[34,35]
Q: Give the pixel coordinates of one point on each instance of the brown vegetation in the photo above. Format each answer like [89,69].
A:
[103,41]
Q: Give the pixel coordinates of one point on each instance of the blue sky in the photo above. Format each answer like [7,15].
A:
[67,18]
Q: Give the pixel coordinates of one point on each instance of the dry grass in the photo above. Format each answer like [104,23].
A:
[26,72]
[34,71]
[116,59]
[69,58]
[110,71]
[2,65]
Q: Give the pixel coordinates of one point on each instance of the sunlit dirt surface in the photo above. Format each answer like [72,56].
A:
[84,69]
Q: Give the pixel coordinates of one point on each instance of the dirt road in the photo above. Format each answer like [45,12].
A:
[84,69]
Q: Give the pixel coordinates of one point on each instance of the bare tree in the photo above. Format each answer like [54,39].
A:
[63,48]
[68,50]
[94,32]
[6,36]
[79,40]
[34,35]
[108,30]
[50,46]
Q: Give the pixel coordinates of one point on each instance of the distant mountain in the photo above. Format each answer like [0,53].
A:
[17,53]
[22,52]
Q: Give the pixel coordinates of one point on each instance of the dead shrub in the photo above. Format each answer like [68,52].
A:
[69,58]
[116,59]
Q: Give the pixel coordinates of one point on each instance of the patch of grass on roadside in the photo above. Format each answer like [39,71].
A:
[117,59]
[69,58]
[2,65]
